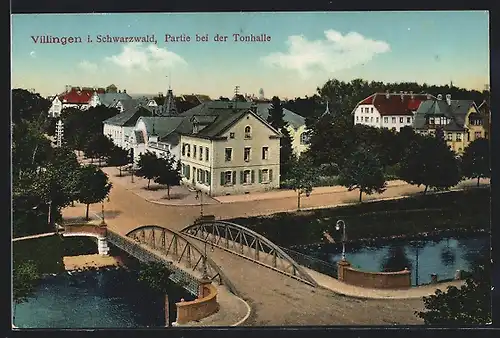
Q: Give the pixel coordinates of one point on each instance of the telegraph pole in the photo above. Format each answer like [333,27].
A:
[236,92]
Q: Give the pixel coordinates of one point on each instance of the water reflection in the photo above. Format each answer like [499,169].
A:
[424,257]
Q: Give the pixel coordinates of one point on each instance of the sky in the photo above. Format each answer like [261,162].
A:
[305,50]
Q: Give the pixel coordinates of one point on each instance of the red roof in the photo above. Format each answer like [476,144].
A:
[79,96]
[395,103]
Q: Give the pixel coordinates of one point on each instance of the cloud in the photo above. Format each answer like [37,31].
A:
[336,52]
[33,54]
[88,66]
[137,56]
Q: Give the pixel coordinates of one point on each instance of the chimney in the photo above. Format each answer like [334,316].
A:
[440,97]
[387,94]
[402,95]
[448,99]
[119,91]
[411,95]
[124,91]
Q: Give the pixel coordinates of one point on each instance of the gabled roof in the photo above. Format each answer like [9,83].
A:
[456,111]
[293,119]
[215,107]
[108,99]
[163,126]
[77,96]
[484,106]
[129,117]
[389,104]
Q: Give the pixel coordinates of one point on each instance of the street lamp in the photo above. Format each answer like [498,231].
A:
[341,224]
[103,223]
[199,195]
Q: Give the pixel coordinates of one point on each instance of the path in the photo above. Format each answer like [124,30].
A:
[33,236]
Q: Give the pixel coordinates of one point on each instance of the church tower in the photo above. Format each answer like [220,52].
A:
[169,107]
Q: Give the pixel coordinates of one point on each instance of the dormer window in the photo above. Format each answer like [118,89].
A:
[248,132]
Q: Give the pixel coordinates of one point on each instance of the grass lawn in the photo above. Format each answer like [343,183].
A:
[468,209]
[48,252]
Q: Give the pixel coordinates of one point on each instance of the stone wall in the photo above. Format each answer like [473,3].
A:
[375,280]
[199,308]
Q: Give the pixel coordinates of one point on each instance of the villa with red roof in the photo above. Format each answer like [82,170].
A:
[73,97]
[389,110]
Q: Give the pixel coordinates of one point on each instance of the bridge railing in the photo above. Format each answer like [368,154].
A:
[312,263]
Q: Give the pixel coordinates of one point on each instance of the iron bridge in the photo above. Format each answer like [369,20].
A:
[154,243]
[248,244]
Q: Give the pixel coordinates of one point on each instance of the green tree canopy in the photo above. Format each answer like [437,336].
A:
[119,157]
[476,160]
[467,305]
[168,172]
[362,170]
[147,166]
[430,162]
[303,176]
[28,106]
[93,186]
[276,120]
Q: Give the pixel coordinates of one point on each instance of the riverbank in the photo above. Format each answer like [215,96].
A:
[94,261]
[462,211]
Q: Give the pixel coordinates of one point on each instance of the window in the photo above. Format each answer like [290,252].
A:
[371,119]
[449,137]
[393,120]
[431,120]
[265,153]
[201,153]
[206,153]
[188,172]
[231,135]
[376,119]
[248,132]
[459,137]
[207,177]
[228,178]
[247,178]
[408,120]
[188,150]
[362,110]
[477,135]
[386,120]
[304,138]
[246,154]
[357,118]
[400,120]
[194,152]
[371,110]
[229,154]
[366,118]
[265,175]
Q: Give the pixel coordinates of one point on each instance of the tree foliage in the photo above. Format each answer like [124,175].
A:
[467,305]
[99,146]
[362,170]
[147,166]
[25,276]
[276,120]
[27,106]
[119,157]
[303,176]
[430,162]
[93,186]
[476,160]
[168,172]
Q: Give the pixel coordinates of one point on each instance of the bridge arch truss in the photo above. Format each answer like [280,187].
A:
[178,250]
[248,244]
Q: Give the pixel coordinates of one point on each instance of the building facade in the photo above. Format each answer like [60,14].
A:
[73,97]
[460,121]
[119,128]
[232,152]
[389,110]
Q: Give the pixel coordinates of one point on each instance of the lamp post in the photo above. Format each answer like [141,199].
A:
[199,195]
[341,224]
[103,222]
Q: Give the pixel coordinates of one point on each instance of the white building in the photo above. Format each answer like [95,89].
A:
[389,110]
[73,97]
[119,128]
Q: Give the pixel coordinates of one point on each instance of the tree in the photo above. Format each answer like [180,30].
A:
[28,106]
[362,170]
[93,186]
[476,160]
[99,146]
[147,166]
[303,176]
[119,157]
[468,305]
[168,172]
[25,277]
[275,119]
[430,162]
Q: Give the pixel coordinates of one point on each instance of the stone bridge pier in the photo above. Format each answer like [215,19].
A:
[88,230]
